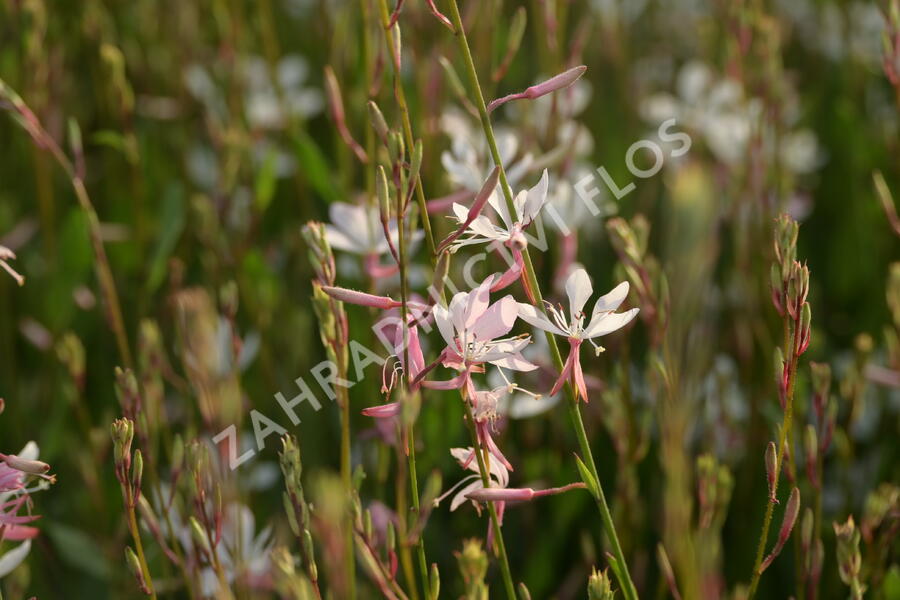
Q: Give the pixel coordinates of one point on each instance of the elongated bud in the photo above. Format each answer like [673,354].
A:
[777,286]
[522,592]
[383,411]
[137,472]
[787,524]
[378,123]
[600,585]
[434,581]
[805,323]
[396,147]
[415,162]
[558,82]
[391,538]
[309,552]
[811,449]
[360,298]
[807,524]
[201,540]
[134,565]
[33,467]
[771,467]
[384,196]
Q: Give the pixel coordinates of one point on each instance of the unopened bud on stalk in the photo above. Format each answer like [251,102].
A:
[127,391]
[777,284]
[522,592]
[805,324]
[396,147]
[434,581]
[137,472]
[806,529]
[848,556]
[378,123]
[771,467]
[201,540]
[33,467]
[811,449]
[556,83]
[319,252]
[122,433]
[600,586]
[384,195]
[367,523]
[134,565]
[391,538]
[787,524]
[473,565]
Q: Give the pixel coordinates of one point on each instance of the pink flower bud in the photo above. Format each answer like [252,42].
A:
[360,298]
[383,411]
[556,83]
[34,467]
[501,494]
[771,466]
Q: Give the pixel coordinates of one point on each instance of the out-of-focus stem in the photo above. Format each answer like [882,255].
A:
[136,536]
[408,138]
[783,437]
[627,585]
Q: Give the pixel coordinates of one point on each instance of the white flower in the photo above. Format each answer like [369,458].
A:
[527,204]
[468,161]
[472,329]
[498,478]
[358,229]
[603,319]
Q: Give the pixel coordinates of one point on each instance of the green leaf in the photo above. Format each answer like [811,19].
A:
[171,224]
[315,167]
[78,549]
[587,477]
[266,182]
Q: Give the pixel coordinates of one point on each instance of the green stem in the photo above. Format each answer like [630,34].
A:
[346,479]
[492,510]
[779,456]
[409,432]
[408,138]
[626,583]
[136,536]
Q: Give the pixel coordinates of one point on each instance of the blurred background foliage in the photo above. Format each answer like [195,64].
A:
[202,172]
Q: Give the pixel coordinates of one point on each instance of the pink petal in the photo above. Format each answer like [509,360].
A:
[496,320]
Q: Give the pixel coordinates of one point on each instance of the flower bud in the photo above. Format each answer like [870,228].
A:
[134,565]
[771,467]
[806,529]
[599,586]
[787,524]
[848,556]
[201,540]
[522,592]
[378,123]
[811,449]
[384,195]
[434,581]
[137,472]
[32,467]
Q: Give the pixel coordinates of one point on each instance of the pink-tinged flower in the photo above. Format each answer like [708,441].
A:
[510,232]
[498,478]
[603,320]
[358,229]
[16,496]
[473,330]
[5,255]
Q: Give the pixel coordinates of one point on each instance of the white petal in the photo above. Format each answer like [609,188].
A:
[460,212]
[14,558]
[519,205]
[609,322]
[498,203]
[536,198]
[442,318]
[351,219]
[530,314]
[460,497]
[30,451]
[478,302]
[515,362]
[340,240]
[579,289]
[612,300]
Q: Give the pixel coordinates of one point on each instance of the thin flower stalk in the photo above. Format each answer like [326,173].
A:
[28,120]
[626,583]
[408,428]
